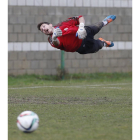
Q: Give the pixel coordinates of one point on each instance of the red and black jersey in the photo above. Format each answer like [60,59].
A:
[68,41]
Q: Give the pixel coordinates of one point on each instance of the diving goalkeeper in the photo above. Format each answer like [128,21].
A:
[73,36]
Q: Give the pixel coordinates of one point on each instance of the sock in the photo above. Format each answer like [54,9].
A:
[104,44]
[105,23]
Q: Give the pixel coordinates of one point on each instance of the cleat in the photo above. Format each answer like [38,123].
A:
[109,19]
[108,43]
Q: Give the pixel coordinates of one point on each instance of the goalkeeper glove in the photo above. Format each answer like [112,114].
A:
[57,32]
[81,33]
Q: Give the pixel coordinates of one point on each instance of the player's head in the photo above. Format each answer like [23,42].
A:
[45,28]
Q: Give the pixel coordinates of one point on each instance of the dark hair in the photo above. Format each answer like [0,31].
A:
[38,26]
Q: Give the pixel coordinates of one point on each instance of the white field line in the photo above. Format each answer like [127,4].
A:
[108,87]
[79,86]
[110,84]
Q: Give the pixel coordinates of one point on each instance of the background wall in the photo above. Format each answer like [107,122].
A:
[28,49]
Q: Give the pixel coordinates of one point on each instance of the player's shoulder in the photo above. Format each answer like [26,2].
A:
[74,17]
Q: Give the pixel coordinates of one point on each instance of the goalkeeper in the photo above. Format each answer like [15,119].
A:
[70,37]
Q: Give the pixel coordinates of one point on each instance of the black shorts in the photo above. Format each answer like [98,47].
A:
[89,44]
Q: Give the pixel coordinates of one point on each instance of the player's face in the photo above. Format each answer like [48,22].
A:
[46,29]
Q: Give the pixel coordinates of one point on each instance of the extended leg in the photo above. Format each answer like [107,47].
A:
[94,29]
[93,46]
[90,46]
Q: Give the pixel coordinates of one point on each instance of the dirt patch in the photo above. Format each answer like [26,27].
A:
[56,100]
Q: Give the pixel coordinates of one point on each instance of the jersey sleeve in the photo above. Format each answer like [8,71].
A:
[60,46]
[75,19]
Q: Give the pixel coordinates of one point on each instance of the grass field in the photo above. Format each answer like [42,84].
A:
[81,107]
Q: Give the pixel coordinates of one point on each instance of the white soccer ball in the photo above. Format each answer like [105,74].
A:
[27,121]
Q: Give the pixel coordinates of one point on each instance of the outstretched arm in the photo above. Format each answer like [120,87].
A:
[81,33]
[56,42]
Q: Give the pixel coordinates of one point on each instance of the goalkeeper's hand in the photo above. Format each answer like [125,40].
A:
[81,33]
[57,32]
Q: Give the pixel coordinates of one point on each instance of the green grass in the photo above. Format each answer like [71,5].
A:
[29,80]
[82,107]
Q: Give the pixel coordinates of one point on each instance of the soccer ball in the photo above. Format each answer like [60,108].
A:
[27,121]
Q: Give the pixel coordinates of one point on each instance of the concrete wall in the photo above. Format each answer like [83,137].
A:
[28,49]
[33,62]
